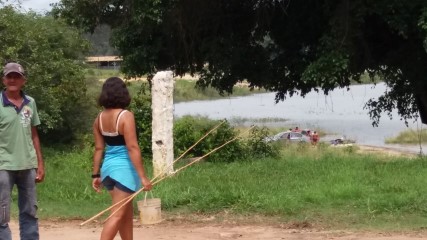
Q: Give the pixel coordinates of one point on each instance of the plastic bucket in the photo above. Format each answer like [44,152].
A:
[150,210]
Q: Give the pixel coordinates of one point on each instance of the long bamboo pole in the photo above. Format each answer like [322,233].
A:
[163,172]
[179,169]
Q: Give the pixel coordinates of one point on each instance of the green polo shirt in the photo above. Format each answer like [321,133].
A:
[16,144]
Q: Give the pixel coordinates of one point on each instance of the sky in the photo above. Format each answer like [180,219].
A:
[37,5]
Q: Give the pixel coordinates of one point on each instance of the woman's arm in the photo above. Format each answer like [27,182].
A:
[129,133]
[97,156]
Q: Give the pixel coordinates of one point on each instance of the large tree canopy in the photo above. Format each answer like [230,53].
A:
[290,47]
[52,54]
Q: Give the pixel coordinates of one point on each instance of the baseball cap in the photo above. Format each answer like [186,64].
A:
[13,67]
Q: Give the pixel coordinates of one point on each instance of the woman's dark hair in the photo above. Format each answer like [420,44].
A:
[114,94]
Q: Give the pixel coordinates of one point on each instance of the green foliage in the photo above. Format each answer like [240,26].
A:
[188,130]
[50,52]
[141,108]
[100,42]
[257,147]
[409,137]
[282,46]
[328,72]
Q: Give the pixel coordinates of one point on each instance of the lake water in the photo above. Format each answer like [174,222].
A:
[341,113]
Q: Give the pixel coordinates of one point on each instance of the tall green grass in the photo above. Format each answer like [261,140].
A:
[319,186]
[409,137]
[66,191]
[103,73]
[328,187]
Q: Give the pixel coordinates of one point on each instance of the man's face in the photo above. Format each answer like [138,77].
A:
[14,81]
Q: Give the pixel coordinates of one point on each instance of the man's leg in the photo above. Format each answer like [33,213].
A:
[27,203]
[6,184]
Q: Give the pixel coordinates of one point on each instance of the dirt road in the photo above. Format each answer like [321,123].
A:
[70,230]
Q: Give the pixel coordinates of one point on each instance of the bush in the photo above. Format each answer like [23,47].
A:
[188,130]
[257,147]
[141,108]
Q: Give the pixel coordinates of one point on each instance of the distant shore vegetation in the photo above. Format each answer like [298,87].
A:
[409,137]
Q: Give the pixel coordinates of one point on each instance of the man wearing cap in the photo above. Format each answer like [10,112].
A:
[21,160]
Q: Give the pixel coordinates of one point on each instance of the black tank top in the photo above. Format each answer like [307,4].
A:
[113,138]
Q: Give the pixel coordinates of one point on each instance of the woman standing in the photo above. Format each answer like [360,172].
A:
[122,172]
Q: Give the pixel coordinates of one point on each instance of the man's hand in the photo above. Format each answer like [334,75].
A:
[40,174]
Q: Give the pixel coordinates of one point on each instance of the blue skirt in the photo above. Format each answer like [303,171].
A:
[118,166]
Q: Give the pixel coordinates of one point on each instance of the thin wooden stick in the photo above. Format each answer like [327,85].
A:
[179,169]
[161,174]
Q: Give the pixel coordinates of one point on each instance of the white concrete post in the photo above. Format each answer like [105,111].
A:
[162,123]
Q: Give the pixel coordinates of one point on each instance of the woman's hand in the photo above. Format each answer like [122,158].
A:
[97,184]
[146,183]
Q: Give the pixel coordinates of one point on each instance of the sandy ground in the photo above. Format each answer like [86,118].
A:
[170,230]
[386,151]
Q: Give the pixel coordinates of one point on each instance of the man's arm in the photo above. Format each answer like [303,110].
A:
[37,147]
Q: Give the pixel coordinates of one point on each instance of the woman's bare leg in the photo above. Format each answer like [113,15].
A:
[126,228]
[114,224]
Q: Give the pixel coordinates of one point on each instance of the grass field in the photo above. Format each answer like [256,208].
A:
[330,187]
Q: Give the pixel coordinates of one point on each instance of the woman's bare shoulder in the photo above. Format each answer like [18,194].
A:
[127,113]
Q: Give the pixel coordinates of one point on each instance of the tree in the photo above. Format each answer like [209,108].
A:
[290,47]
[52,55]
[100,44]
[141,108]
